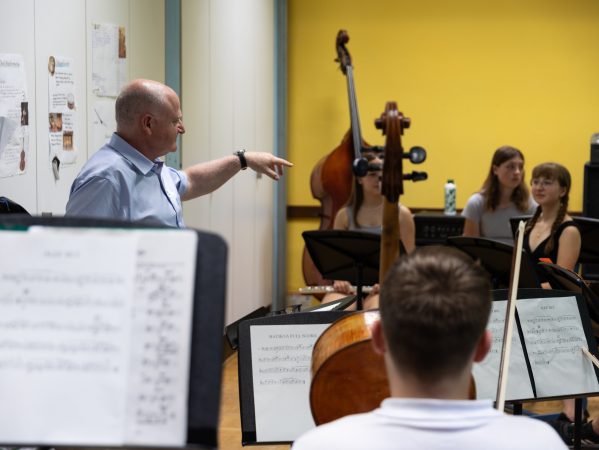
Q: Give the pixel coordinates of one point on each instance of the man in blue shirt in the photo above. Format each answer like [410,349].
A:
[126,180]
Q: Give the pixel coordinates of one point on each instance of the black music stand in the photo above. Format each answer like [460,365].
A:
[346,255]
[589,250]
[206,355]
[565,279]
[496,258]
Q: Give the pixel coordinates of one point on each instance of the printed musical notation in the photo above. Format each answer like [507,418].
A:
[101,320]
[281,356]
[553,336]
[162,320]
[486,373]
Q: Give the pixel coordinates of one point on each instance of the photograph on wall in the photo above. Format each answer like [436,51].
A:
[62,119]
[14,116]
[109,59]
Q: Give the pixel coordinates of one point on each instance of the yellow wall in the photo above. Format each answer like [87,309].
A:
[471,75]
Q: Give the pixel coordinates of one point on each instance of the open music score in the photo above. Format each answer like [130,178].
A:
[281,358]
[546,359]
[96,328]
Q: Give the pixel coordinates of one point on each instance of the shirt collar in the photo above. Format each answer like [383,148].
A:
[131,154]
[435,413]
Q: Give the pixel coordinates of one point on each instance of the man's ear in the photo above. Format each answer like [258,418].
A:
[378,338]
[147,123]
[483,346]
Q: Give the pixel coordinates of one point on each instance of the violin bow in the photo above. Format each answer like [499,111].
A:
[510,316]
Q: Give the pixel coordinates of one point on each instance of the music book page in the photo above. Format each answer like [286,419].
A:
[80,361]
[281,359]
[553,336]
[486,373]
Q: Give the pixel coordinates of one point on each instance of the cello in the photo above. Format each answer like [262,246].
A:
[332,177]
[348,377]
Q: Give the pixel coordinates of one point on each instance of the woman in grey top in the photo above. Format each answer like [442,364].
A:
[504,194]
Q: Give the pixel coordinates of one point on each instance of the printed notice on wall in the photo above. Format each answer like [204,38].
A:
[281,358]
[61,110]
[14,116]
[109,59]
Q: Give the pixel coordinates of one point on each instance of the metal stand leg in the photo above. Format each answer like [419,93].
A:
[577,423]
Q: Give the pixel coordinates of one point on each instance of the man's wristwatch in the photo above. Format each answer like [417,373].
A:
[241,155]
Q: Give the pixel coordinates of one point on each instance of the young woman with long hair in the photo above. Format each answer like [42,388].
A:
[504,194]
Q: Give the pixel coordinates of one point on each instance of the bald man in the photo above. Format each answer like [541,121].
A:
[126,180]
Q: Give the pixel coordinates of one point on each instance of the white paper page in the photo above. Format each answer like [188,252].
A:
[158,387]
[62,118]
[486,373]
[14,116]
[553,335]
[281,359]
[108,59]
[64,321]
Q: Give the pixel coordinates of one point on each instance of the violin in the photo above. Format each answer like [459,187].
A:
[331,179]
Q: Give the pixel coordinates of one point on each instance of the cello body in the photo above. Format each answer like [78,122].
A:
[348,377]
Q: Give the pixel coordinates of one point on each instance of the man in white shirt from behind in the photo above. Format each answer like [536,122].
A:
[434,307]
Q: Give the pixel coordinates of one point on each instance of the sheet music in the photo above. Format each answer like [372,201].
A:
[98,329]
[65,327]
[553,335]
[281,359]
[162,316]
[486,373]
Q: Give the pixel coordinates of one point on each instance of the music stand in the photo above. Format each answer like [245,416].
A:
[565,279]
[205,371]
[346,255]
[496,258]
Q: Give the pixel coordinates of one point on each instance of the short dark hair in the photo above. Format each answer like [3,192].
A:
[434,306]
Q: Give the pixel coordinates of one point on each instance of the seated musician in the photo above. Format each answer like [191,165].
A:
[551,235]
[364,212]
[434,309]
[504,194]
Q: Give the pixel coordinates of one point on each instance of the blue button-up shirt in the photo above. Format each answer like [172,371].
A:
[118,182]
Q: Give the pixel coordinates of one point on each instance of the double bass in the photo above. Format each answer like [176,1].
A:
[332,178]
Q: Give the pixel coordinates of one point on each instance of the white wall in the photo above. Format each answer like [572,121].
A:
[40,28]
[228,104]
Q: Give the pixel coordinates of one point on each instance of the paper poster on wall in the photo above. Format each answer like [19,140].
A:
[61,110]
[103,122]
[109,59]
[14,116]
